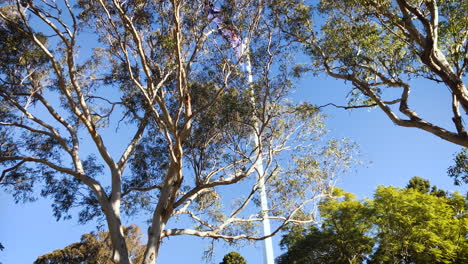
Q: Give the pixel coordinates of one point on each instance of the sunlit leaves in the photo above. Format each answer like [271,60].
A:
[407,225]
[342,238]
[417,227]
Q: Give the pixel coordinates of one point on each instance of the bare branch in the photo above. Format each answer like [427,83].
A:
[141,189]
[44,162]
[5,171]
[358,106]
[53,132]
[217,232]
[133,143]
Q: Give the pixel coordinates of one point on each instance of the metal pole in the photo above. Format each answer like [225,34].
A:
[233,38]
[268,257]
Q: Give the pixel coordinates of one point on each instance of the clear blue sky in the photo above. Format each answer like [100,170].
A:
[391,155]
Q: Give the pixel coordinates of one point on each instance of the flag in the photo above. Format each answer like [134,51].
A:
[226,29]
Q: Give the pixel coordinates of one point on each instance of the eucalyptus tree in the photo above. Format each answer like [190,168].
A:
[380,46]
[120,108]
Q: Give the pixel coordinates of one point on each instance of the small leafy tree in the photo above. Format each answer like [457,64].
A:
[95,248]
[233,258]
[423,186]
[419,184]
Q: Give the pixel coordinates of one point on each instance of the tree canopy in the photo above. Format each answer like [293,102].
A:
[406,225]
[233,258]
[116,108]
[341,239]
[380,46]
[459,170]
[95,248]
[414,227]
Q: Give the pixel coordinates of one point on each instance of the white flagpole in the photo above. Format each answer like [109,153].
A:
[268,257]
[239,49]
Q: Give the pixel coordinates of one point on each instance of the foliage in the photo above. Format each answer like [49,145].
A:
[375,45]
[419,184]
[342,237]
[418,228]
[459,171]
[95,248]
[407,225]
[233,258]
[423,186]
[119,108]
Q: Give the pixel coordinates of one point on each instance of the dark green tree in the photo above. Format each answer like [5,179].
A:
[310,245]
[437,192]
[419,184]
[233,258]
[423,186]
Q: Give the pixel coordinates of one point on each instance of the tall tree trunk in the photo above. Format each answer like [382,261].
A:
[163,212]
[112,212]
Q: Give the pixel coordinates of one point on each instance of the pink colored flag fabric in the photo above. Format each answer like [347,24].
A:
[226,30]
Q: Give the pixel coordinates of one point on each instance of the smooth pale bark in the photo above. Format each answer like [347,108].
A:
[111,209]
[120,251]
[174,178]
[438,63]
[163,212]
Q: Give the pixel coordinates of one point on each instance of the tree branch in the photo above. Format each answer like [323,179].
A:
[141,189]
[133,143]
[16,166]
[358,106]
